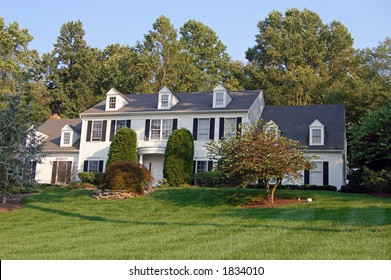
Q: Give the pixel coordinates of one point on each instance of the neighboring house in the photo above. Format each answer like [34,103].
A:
[61,151]
[208,115]
[322,129]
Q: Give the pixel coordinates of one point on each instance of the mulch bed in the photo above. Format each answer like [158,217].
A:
[13,202]
[262,203]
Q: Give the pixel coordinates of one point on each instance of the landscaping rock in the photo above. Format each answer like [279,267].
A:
[110,194]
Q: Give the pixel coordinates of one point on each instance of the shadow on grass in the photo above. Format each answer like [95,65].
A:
[58,195]
[205,197]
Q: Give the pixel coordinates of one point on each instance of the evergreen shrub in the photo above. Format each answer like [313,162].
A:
[126,175]
[178,160]
[208,179]
[123,147]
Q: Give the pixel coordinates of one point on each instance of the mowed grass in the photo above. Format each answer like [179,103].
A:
[197,223]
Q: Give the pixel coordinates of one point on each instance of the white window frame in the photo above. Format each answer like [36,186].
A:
[203,129]
[112,102]
[117,126]
[66,138]
[95,131]
[160,129]
[219,101]
[90,164]
[164,101]
[229,129]
[317,170]
[201,166]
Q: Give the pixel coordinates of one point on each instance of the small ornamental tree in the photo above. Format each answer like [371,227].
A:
[123,147]
[259,155]
[178,160]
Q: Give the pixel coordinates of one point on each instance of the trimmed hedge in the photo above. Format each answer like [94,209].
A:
[208,179]
[123,147]
[90,177]
[178,159]
[126,175]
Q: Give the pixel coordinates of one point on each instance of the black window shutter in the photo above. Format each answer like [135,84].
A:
[54,172]
[194,166]
[128,123]
[325,173]
[238,123]
[195,128]
[210,165]
[174,124]
[104,127]
[306,177]
[221,128]
[34,168]
[100,169]
[89,127]
[147,124]
[211,129]
[112,129]
[85,167]
[69,172]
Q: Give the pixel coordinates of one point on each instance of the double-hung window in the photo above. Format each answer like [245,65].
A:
[229,127]
[202,166]
[160,129]
[120,124]
[66,140]
[164,101]
[203,129]
[316,136]
[112,102]
[93,166]
[219,99]
[97,130]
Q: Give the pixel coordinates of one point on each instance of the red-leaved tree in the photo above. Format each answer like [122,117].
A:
[259,152]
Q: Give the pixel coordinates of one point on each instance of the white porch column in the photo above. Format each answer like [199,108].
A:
[141,159]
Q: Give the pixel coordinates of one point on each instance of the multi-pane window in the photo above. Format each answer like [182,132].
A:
[97,130]
[316,136]
[203,129]
[229,127]
[93,166]
[112,102]
[66,140]
[160,129]
[202,166]
[219,99]
[316,174]
[120,124]
[164,101]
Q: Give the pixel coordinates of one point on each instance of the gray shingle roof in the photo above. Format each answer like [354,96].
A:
[294,122]
[52,128]
[188,102]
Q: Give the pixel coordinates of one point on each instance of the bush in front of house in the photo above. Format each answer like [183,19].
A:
[178,160]
[126,175]
[90,177]
[123,147]
[208,179]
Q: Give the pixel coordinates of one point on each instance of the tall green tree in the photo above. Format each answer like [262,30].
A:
[209,61]
[19,144]
[73,71]
[165,54]
[297,57]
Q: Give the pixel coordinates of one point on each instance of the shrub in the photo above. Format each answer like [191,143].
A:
[178,160]
[123,147]
[209,179]
[125,175]
[87,177]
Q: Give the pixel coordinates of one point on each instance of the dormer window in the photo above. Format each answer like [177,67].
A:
[221,97]
[66,136]
[166,99]
[115,100]
[272,129]
[316,133]
[112,102]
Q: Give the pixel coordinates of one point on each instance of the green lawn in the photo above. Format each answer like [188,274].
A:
[197,223]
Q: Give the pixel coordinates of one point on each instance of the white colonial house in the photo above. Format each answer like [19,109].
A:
[79,145]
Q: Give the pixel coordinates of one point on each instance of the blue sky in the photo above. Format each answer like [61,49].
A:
[125,22]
